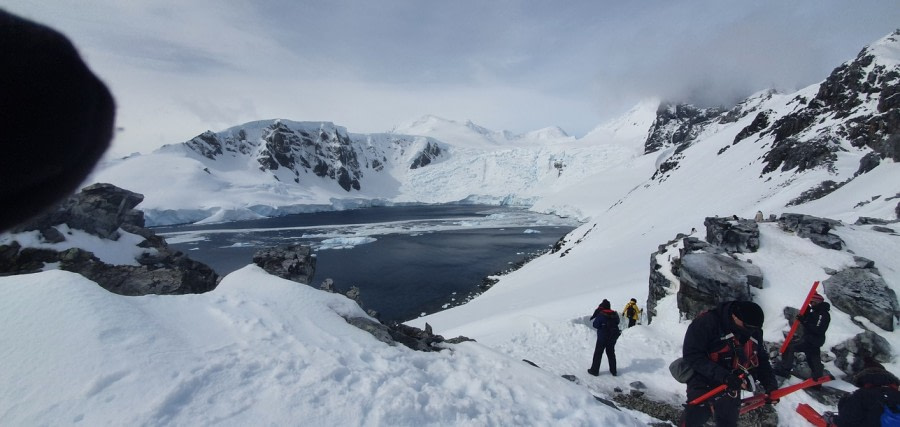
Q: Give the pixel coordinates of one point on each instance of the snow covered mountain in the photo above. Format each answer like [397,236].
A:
[260,350]
[798,146]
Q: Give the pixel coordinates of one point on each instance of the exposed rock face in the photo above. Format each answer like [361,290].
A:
[813,228]
[99,209]
[760,122]
[297,150]
[740,235]
[105,211]
[709,279]
[677,125]
[431,152]
[851,353]
[288,262]
[707,276]
[862,95]
[862,292]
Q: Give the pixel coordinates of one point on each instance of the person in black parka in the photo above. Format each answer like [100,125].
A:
[815,322]
[606,321]
[865,406]
[720,345]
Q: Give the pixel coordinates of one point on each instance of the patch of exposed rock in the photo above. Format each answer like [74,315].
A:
[295,262]
[861,291]
[105,211]
[813,228]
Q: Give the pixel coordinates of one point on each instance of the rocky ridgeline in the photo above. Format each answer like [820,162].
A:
[296,263]
[703,274]
[106,211]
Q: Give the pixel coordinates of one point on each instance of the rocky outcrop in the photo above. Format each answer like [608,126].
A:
[300,151]
[707,275]
[709,279]
[677,125]
[733,235]
[861,291]
[99,209]
[106,211]
[426,156]
[850,354]
[813,228]
[295,262]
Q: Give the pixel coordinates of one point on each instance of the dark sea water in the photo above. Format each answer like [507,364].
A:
[405,260]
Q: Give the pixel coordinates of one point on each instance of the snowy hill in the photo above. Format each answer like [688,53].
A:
[260,350]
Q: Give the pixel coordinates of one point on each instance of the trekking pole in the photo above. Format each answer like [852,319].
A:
[796,323]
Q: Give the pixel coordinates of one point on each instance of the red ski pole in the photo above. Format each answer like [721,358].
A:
[796,323]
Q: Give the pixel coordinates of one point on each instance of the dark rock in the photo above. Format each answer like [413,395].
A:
[659,287]
[823,189]
[733,236]
[179,275]
[814,228]
[883,229]
[863,262]
[380,331]
[103,210]
[868,162]
[710,279]
[760,122]
[571,377]
[791,153]
[426,156]
[850,354]
[862,292]
[659,410]
[293,262]
[535,365]
[677,125]
[99,209]
[864,220]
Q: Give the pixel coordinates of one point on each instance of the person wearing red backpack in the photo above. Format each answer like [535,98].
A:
[725,346]
[606,321]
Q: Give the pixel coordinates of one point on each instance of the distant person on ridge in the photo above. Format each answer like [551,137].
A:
[815,322]
[759,216]
[606,322]
[632,312]
[720,345]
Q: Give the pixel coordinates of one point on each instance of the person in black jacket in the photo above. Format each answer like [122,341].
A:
[865,406]
[725,346]
[607,323]
[815,322]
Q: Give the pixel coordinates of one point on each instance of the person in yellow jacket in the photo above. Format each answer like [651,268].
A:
[632,312]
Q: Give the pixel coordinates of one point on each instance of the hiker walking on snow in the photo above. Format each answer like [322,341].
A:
[632,312]
[815,322]
[720,345]
[606,322]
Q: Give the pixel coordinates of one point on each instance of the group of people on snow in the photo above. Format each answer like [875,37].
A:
[606,321]
[724,349]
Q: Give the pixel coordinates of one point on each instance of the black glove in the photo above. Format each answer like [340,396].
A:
[734,382]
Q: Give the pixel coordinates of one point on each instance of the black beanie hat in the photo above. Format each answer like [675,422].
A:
[749,312]
[605,304]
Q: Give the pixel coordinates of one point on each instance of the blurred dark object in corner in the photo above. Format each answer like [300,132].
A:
[56,119]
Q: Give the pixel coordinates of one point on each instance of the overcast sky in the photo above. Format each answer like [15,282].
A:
[178,68]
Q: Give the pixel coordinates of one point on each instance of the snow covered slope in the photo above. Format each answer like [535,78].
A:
[259,350]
